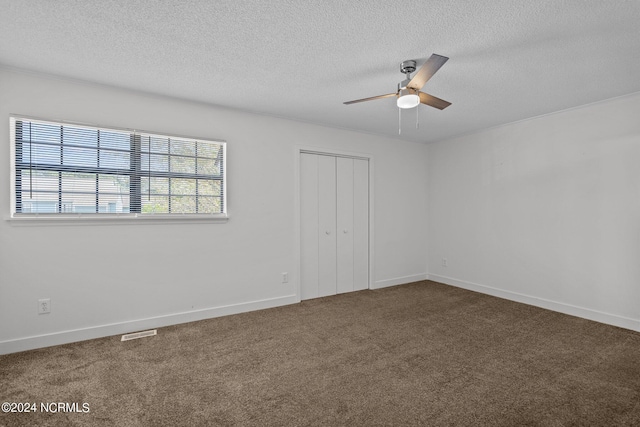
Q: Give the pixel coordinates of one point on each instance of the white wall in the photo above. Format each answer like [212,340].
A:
[544,211]
[115,278]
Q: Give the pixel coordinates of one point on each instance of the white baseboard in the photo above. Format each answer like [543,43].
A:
[572,310]
[399,281]
[65,337]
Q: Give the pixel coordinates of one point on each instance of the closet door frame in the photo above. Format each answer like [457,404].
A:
[297,217]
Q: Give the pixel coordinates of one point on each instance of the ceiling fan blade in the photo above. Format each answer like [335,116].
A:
[427,70]
[432,101]
[371,99]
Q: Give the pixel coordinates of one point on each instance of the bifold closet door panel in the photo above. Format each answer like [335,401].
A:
[360,224]
[327,264]
[309,222]
[345,224]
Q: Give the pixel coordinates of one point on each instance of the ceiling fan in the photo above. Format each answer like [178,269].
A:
[408,93]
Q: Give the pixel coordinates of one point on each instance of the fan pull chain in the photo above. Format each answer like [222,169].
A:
[417,118]
[399,121]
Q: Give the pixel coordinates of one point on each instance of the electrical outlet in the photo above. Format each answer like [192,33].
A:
[44,306]
[285,277]
[444,262]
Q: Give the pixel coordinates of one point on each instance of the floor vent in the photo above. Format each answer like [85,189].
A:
[136,335]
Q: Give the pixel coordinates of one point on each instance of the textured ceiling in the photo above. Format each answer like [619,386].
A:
[301,59]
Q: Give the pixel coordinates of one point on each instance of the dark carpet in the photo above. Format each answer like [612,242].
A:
[417,354]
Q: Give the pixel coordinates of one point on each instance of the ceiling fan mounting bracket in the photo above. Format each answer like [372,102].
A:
[408,67]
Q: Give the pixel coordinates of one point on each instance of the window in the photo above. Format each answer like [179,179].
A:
[63,168]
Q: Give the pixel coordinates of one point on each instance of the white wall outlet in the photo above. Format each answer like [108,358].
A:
[285,277]
[444,262]
[44,306]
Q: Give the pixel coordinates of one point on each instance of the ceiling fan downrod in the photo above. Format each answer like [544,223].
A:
[406,67]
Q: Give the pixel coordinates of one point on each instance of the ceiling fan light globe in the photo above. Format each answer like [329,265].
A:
[408,101]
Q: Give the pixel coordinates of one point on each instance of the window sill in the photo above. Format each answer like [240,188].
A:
[104,219]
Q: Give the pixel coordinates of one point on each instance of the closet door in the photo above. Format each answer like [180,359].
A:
[309,227]
[360,224]
[345,225]
[334,221]
[327,260]
[352,224]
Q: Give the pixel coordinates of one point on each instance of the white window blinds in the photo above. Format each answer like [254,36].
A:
[62,168]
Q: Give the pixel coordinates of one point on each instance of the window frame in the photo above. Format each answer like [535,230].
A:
[102,217]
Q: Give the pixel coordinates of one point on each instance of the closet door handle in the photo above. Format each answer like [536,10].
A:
[345,231]
[327,232]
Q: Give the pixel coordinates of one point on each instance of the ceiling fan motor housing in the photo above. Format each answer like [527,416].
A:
[403,84]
